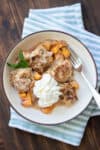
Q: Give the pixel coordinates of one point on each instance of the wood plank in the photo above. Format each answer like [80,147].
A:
[12,15]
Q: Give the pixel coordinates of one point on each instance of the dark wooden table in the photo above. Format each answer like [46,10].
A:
[12,14]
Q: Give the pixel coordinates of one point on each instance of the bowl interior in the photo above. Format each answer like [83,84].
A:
[61,113]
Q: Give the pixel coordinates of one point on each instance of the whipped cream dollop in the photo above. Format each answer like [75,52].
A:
[47,90]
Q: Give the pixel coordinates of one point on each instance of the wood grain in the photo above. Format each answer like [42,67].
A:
[12,14]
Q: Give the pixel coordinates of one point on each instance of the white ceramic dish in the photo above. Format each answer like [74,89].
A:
[61,113]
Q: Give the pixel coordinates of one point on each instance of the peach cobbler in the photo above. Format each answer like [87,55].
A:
[44,76]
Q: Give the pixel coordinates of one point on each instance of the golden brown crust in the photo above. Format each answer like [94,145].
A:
[20,79]
[41,59]
[63,72]
[69,95]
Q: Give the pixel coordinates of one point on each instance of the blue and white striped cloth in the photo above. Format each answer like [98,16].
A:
[67,19]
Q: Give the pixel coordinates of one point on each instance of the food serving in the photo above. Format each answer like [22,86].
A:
[44,76]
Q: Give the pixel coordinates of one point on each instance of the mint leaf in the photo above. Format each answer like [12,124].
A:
[20,56]
[21,64]
[12,65]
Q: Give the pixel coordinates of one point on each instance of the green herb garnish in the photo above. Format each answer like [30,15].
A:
[21,64]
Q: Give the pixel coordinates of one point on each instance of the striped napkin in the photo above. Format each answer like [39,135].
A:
[67,19]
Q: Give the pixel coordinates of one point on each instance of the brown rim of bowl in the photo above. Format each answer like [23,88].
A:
[21,41]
